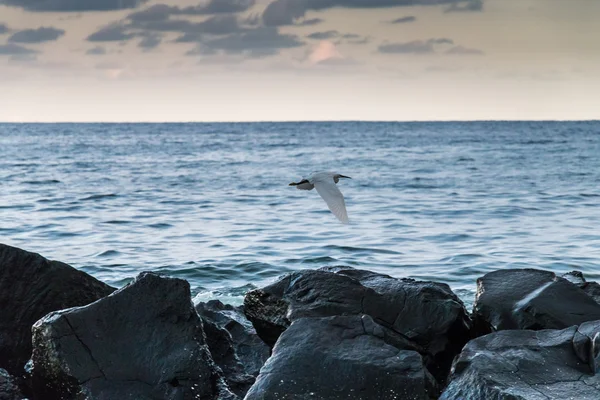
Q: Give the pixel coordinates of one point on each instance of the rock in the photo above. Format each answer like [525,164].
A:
[531,299]
[529,365]
[144,341]
[233,343]
[8,387]
[30,287]
[222,350]
[591,288]
[425,313]
[341,357]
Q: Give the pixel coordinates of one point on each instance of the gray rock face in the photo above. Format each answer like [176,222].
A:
[342,357]
[145,341]
[8,387]
[527,299]
[31,287]
[233,343]
[529,365]
[427,314]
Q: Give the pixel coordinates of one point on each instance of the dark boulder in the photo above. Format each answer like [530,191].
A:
[9,389]
[145,341]
[529,365]
[30,287]
[531,299]
[342,357]
[233,343]
[426,313]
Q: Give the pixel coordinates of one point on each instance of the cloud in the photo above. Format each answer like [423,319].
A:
[461,50]
[11,49]
[258,42]
[147,23]
[39,35]
[73,5]
[96,51]
[150,42]
[414,47]
[310,22]
[158,12]
[3,29]
[287,12]
[441,41]
[162,12]
[404,20]
[219,7]
[111,33]
[466,6]
[353,38]
[216,25]
[323,35]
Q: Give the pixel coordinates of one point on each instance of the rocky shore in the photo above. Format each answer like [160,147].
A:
[331,333]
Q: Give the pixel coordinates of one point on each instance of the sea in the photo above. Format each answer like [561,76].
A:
[210,202]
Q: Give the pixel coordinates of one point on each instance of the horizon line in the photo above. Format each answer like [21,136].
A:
[301,121]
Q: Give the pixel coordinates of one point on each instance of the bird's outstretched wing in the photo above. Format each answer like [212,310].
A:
[334,199]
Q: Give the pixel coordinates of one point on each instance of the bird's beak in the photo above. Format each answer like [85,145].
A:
[344,176]
[293,184]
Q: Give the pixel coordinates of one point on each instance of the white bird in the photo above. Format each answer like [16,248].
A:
[325,183]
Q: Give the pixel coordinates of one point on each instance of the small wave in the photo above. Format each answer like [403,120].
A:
[421,186]
[108,253]
[351,249]
[461,257]
[118,222]
[160,225]
[313,260]
[99,197]
[42,182]
[59,208]
[540,141]
[449,237]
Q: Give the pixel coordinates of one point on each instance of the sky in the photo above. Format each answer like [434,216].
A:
[297,60]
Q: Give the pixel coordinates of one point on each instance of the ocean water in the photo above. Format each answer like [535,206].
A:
[210,203]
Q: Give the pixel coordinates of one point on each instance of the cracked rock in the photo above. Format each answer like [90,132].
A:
[341,357]
[30,287]
[528,365]
[532,299]
[144,341]
[427,314]
[233,343]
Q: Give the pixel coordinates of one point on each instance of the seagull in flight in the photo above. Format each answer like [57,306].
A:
[325,183]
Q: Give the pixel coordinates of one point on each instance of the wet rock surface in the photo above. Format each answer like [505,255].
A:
[145,341]
[31,286]
[427,314]
[342,357]
[533,299]
[233,343]
[529,365]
